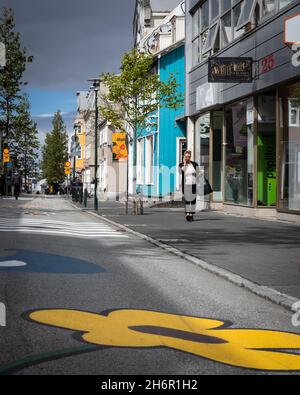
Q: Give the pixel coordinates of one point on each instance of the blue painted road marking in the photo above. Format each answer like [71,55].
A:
[38,262]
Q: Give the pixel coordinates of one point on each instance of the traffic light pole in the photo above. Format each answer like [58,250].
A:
[96,87]
[74,164]
[96,149]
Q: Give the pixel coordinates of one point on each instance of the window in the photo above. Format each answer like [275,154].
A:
[140,161]
[239,157]
[268,7]
[226,30]
[290,148]
[212,35]
[204,15]
[149,160]
[237,32]
[216,23]
[225,6]
[246,13]
[284,3]
[214,9]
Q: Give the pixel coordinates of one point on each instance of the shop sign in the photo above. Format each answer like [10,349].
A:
[232,70]
[119,148]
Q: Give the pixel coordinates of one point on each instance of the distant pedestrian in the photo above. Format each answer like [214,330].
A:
[2,185]
[190,175]
[17,183]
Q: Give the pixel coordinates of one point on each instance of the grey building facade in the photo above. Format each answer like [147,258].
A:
[246,135]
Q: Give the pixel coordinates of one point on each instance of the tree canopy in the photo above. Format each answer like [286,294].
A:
[55,151]
[137,92]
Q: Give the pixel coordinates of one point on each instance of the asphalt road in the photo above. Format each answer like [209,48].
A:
[84,298]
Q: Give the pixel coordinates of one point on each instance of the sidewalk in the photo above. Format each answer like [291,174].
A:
[264,252]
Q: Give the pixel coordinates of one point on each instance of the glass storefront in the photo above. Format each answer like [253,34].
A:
[217,168]
[289,97]
[266,151]
[237,148]
[203,143]
[239,158]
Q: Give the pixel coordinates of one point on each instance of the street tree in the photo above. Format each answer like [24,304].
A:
[11,75]
[55,152]
[135,95]
[25,141]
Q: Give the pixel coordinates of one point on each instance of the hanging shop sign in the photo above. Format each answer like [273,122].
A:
[119,147]
[230,70]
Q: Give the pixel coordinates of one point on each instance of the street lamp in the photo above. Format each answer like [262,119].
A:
[95,87]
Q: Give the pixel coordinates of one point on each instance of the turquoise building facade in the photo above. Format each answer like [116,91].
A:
[160,146]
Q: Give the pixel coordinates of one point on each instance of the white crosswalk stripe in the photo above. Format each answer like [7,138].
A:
[52,227]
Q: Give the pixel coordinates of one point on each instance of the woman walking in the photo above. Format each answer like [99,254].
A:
[17,183]
[190,174]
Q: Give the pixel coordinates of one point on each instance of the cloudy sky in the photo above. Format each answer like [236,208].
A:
[71,41]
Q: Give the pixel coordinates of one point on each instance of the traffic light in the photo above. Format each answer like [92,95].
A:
[67,168]
[6,156]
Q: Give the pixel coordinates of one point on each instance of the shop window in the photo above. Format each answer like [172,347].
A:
[294,112]
[239,158]
[266,151]
[203,142]
[217,139]
[290,148]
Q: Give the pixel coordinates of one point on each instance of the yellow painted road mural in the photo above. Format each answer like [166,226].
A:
[204,337]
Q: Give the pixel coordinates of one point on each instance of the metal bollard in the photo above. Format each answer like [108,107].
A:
[81,195]
[141,211]
[85,197]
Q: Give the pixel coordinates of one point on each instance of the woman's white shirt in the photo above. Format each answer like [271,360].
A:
[190,174]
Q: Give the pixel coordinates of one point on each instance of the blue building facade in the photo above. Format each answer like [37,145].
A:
[160,146]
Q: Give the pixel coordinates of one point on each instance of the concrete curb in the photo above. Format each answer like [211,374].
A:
[265,292]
